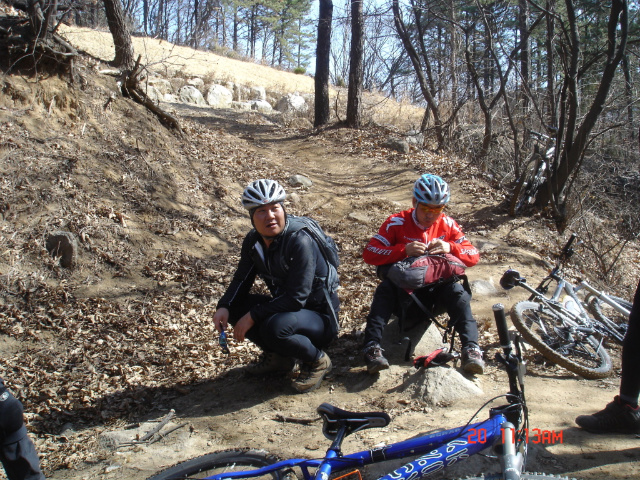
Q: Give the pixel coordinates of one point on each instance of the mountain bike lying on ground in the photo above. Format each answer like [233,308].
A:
[562,329]
[506,431]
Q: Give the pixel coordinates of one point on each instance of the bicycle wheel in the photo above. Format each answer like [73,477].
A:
[545,330]
[220,462]
[522,191]
[523,476]
[614,322]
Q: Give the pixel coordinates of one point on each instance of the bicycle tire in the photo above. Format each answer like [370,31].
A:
[523,476]
[228,460]
[584,356]
[614,322]
[526,178]
[528,184]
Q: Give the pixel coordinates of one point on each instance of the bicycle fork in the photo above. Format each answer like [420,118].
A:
[511,455]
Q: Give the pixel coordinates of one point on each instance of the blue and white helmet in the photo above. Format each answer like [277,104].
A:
[431,189]
[262,192]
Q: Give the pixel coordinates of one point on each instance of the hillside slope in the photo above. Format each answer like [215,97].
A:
[125,335]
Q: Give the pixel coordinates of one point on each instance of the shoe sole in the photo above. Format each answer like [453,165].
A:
[597,430]
[612,431]
[473,369]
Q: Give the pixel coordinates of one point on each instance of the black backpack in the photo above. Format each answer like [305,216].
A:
[329,251]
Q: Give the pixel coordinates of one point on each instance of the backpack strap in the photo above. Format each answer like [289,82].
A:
[448,330]
[334,315]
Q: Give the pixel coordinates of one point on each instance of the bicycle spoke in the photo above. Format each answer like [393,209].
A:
[558,341]
[611,322]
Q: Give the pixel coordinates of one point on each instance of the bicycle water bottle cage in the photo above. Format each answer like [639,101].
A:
[510,279]
[336,419]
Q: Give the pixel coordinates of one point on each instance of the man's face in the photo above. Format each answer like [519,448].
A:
[427,214]
[269,220]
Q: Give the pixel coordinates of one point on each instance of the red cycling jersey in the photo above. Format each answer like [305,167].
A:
[388,246]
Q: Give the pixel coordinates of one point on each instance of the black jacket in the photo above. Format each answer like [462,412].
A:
[290,267]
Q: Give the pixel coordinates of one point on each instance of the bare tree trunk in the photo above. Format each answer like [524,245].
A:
[145,16]
[41,17]
[193,41]
[453,60]
[576,139]
[551,84]
[354,100]
[628,93]
[253,27]
[323,56]
[415,61]
[236,24]
[121,36]
[525,60]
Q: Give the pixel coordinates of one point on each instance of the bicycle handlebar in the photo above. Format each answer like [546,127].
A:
[503,330]
[551,132]
[538,135]
[511,359]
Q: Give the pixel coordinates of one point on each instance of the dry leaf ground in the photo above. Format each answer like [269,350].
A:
[96,351]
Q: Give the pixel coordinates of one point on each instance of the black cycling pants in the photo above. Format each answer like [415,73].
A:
[300,335]
[630,381]
[451,296]
[17,452]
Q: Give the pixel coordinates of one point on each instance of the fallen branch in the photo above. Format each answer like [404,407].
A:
[154,434]
[158,427]
[160,436]
[302,421]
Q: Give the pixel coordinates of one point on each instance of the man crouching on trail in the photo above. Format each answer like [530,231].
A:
[296,321]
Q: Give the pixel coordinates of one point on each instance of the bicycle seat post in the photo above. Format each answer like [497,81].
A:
[334,451]
[336,444]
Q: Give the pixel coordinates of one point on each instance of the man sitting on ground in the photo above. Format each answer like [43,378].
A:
[423,229]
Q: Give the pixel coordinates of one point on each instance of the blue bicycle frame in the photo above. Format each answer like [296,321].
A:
[437,451]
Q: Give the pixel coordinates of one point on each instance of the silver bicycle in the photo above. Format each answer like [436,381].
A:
[565,328]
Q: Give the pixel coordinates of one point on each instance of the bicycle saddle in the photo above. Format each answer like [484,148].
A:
[510,279]
[336,418]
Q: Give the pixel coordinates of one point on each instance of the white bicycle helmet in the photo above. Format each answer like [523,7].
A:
[262,192]
[432,190]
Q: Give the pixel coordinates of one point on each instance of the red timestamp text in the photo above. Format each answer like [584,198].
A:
[529,435]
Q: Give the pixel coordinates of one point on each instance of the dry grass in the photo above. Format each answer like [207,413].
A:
[170,60]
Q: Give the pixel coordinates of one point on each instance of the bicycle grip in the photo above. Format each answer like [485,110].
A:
[501,325]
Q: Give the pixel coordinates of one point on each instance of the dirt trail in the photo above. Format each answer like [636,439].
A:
[235,410]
